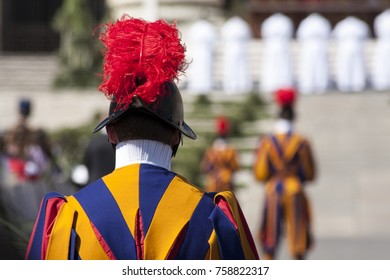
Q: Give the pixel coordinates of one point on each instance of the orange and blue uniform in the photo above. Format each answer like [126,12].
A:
[219,163]
[284,161]
[141,211]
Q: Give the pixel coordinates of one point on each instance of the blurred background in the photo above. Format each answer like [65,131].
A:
[240,52]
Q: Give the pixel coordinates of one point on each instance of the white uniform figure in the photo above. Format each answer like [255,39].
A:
[151,8]
[350,35]
[201,51]
[237,78]
[381,52]
[313,35]
[276,69]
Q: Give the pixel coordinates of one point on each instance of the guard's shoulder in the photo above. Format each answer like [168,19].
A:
[302,138]
[52,196]
[265,138]
[227,195]
[186,183]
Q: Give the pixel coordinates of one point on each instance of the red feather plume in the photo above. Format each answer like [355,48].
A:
[285,96]
[140,56]
[222,125]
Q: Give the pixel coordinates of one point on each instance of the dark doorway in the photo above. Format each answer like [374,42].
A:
[27,27]
[27,24]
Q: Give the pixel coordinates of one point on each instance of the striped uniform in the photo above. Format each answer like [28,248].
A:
[141,211]
[285,162]
[220,166]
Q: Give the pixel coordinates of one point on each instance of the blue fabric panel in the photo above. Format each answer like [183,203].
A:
[279,221]
[73,255]
[195,244]
[35,252]
[278,147]
[271,168]
[279,187]
[153,181]
[279,190]
[301,173]
[102,209]
[228,238]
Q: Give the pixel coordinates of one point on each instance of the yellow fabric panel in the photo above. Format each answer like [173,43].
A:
[292,185]
[58,246]
[291,146]
[126,197]
[213,253]
[290,223]
[260,166]
[296,229]
[274,156]
[235,159]
[233,205]
[172,214]
[90,248]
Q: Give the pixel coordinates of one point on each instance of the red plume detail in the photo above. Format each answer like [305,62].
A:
[222,125]
[285,96]
[140,57]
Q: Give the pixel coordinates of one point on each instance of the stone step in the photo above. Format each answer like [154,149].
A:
[27,72]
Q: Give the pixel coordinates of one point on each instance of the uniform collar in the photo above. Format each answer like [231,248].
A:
[143,151]
[283,126]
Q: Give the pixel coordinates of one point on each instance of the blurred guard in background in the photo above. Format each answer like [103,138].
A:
[28,169]
[220,161]
[142,210]
[28,166]
[284,162]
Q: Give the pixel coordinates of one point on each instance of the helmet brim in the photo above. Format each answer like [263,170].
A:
[138,105]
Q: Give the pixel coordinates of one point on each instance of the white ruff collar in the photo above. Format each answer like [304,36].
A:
[283,126]
[143,151]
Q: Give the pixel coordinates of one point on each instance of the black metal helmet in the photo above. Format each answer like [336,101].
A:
[167,107]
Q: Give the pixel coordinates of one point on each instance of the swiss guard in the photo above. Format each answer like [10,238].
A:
[142,210]
[284,163]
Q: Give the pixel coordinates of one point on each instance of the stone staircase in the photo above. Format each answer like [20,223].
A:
[27,72]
